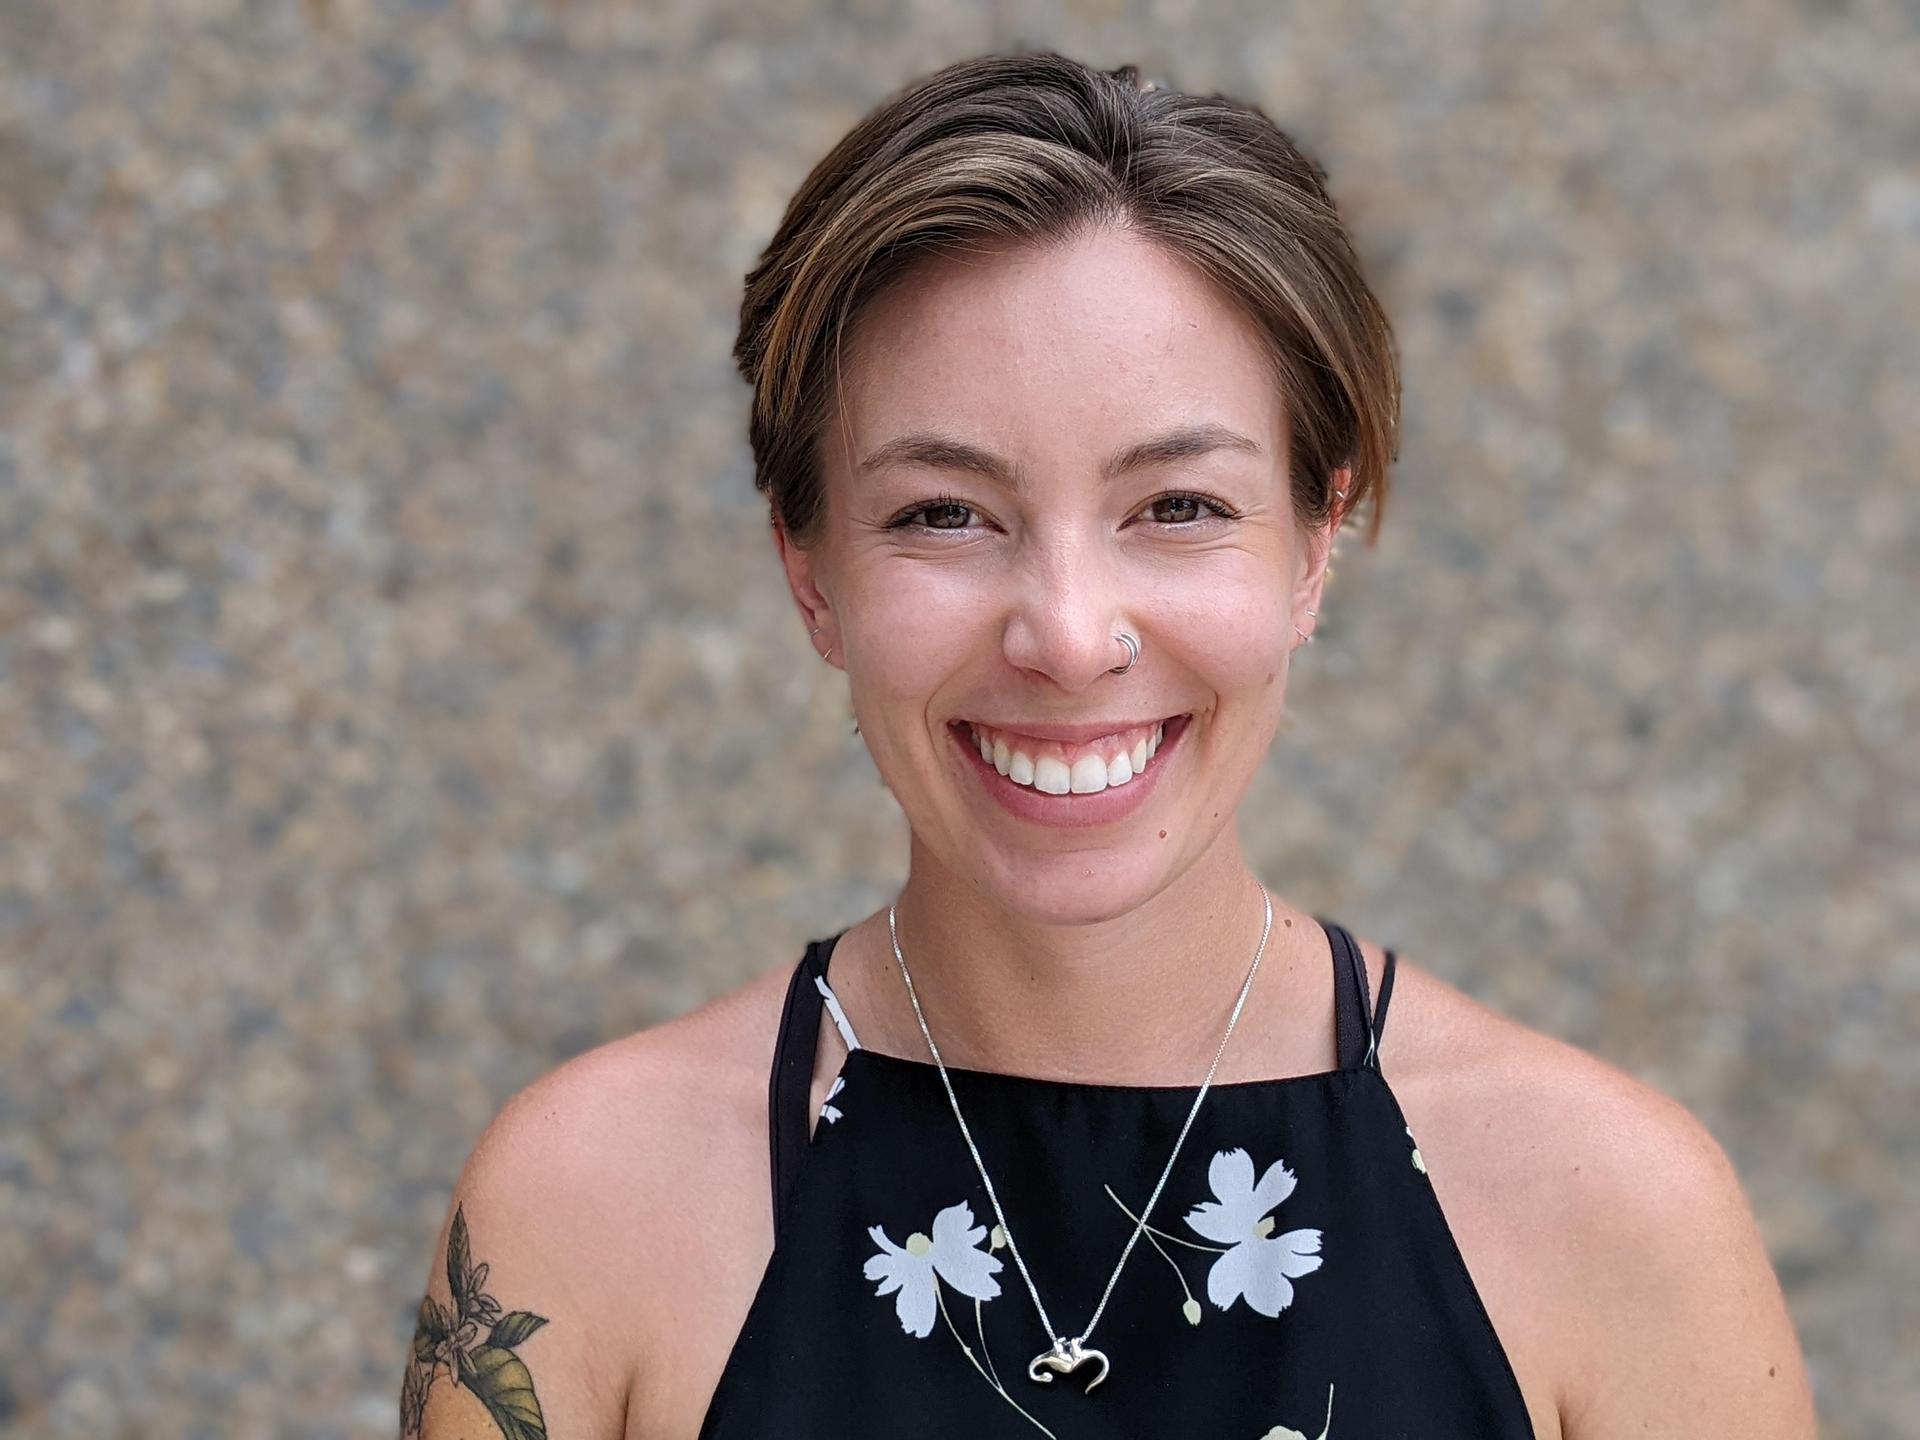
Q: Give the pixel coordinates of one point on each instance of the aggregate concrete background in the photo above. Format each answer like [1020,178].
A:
[398,694]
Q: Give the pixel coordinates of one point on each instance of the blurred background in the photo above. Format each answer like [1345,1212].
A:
[399,694]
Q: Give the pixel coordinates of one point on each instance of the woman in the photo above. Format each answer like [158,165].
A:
[1063,387]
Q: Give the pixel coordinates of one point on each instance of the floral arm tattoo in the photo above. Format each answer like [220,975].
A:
[472,1344]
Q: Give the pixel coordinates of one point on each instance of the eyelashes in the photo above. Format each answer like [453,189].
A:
[908,519]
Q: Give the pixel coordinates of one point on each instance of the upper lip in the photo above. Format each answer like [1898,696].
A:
[1073,734]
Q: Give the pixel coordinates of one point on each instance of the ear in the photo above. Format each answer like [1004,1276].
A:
[803,581]
[1317,545]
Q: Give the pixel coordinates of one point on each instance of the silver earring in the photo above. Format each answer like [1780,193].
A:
[1303,634]
[830,649]
[1132,642]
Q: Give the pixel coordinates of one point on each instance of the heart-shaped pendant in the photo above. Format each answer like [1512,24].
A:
[1064,1358]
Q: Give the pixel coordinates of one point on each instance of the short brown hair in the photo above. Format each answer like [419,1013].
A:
[1035,147]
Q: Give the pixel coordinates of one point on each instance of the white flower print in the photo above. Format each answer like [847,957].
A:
[1419,1160]
[912,1274]
[1257,1263]
[830,1112]
[915,1269]
[1252,1260]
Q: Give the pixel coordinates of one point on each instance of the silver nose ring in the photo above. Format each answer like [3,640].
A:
[1132,642]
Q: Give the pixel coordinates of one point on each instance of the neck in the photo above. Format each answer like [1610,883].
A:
[1138,998]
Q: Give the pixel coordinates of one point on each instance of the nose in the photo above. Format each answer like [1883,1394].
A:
[1066,614]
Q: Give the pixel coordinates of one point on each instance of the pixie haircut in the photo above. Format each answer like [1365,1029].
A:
[1035,149]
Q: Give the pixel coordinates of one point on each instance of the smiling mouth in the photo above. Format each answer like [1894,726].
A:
[1057,768]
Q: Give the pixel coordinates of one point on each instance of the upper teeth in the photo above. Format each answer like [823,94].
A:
[1059,769]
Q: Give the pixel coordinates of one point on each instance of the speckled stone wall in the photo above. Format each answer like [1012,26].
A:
[398,694]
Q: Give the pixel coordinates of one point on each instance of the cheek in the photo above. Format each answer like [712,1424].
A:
[914,629]
[1231,636]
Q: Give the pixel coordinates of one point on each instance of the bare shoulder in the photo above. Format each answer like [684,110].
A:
[1460,1061]
[1605,1227]
[589,1198]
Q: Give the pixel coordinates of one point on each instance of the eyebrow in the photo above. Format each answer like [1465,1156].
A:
[935,451]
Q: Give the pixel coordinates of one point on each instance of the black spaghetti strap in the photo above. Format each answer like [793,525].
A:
[792,1077]
[1380,1010]
[1357,958]
[1351,1029]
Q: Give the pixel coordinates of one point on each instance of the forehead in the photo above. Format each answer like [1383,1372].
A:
[1036,347]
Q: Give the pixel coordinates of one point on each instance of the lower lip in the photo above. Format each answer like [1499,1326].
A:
[1103,807]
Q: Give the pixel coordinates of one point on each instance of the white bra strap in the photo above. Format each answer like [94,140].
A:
[833,1009]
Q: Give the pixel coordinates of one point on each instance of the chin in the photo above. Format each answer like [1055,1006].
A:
[1072,889]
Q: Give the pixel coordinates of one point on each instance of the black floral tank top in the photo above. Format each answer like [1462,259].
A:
[1296,1279]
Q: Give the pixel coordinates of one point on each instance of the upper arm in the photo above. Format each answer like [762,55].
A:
[1684,1330]
[519,1328]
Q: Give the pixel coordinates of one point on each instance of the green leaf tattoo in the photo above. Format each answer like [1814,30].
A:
[473,1343]
[514,1328]
[457,1256]
[502,1382]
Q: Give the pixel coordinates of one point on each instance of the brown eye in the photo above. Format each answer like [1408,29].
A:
[944,506]
[1185,509]
[954,512]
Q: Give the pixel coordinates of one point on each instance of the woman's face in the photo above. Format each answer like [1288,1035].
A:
[1039,449]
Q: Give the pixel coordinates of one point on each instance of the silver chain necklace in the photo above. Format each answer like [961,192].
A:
[1066,1355]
